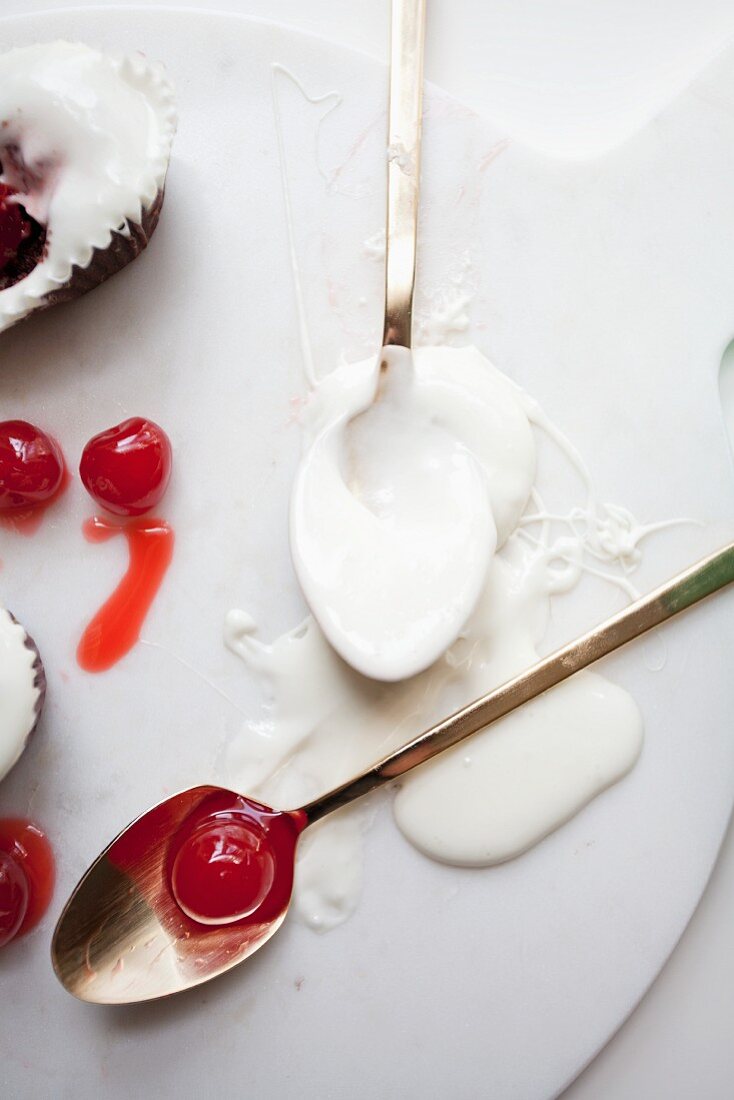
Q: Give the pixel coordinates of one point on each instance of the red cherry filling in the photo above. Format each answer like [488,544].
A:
[31,467]
[27,876]
[22,239]
[126,469]
[15,226]
[223,870]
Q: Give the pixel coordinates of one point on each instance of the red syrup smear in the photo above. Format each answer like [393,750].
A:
[27,877]
[116,627]
[204,868]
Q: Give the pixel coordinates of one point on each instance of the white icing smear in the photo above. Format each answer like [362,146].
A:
[85,139]
[503,790]
[18,692]
[396,512]
[498,795]
[492,797]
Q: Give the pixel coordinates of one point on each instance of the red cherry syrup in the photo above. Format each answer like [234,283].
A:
[27,876]
[116,627]
[126,469]
[32,474]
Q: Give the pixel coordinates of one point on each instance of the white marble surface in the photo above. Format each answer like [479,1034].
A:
[677,1043]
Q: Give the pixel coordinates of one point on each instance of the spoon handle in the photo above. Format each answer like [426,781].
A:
[682,591]
[403,166]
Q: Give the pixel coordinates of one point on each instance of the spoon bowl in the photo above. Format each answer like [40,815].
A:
[124,936]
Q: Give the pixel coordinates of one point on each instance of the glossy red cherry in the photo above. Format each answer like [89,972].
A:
[27,876]
[15,226]
[224,869]
[31,466]
[14,892]
[126,469]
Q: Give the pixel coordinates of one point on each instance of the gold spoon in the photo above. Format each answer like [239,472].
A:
[338,576]
[124,937]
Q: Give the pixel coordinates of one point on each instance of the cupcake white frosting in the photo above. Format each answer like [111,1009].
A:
[20,690]
[85,140]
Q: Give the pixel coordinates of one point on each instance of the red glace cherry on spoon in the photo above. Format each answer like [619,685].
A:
[224,861]
[223,870]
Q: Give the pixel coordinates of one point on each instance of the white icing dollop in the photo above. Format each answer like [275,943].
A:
[19,694]
[396,511]
[85,139]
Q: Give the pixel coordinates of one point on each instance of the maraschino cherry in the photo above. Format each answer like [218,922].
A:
[27,875]
[224,870]
[232,861]
[126,469]
[31,466]
[14,892]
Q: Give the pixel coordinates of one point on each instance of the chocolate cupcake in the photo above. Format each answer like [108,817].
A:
[22,690]
[85,140]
